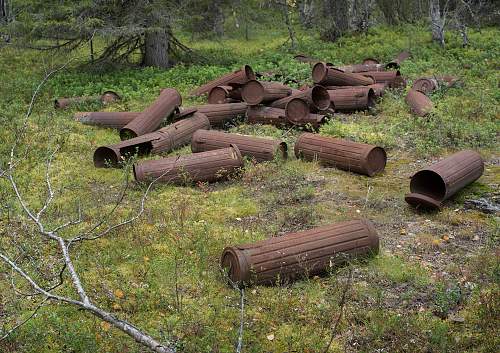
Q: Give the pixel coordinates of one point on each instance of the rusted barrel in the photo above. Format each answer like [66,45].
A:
[266,115]
[356,68]
[351,99]
[419,103]
[224,94]
[394,64]
[293,255]
[392,79]
[297,113]
[238,77]
[428,84]
[317,98]
[378,88]
[218,114]
[429,187]
[342,154]
[256,92]
[164,140]
[105,98]
[150,119]
[328,76]
[113,120]
[369,61]
[258,148]
[207,166]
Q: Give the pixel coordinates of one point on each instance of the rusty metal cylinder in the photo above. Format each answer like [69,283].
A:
[317,98]
[151,118]
[218,114]
[266,115]
[297,112]
[343,154]
[258,148]
[207,166]
[351,99]
[430,186]
[291,256]
[394,64]
[378,88]
[113,120]
[328,76]
[425,85]
[224,94]
[105,98]
[419,103]
[392,79]
[356,68]
[238,77]
[164,140]
[256,92]
[370,61]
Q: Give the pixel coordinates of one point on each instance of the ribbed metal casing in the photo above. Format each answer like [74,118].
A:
[151,118]
[293,255]
[328,76]
[164,140]
[207,166]
[265,115]
[256,92]
[317,97]
[351,99]
[238,77]
[392,79]
[356,68]
[443,179]
[113,120]
[218,114]
[343,154]
[378,88]
[258,148]
[224,94]
[419,103]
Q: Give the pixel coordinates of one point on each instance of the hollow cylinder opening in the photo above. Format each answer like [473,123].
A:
[127,134]
[105,157]
[320,97]
[319,72]
[428,183]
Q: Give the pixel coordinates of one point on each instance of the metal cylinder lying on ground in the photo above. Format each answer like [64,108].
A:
[113,120]
[207,166]
[164,140]
[259,114]
[430,186]
[258,148]
[218,114]
[317,97]
[297,112]
[392,79]
[351,99]
[294,255]
[419,103]
[151,118]
[328,76]
[378,88]
[224,94]
[257,92]
[238,77]
[396,62]
[356,68]
[343,154]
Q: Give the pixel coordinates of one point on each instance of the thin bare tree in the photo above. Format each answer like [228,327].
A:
[63,246]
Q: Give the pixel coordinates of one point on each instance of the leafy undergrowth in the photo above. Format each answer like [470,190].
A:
[434,287]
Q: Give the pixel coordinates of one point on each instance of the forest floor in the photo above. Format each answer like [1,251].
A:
[434,286]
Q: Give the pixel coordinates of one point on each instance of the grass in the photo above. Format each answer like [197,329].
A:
[403,300]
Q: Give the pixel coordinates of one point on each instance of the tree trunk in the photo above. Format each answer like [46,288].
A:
[437,22]
[218,18]
[337,15]
[286,15]
[306,12]
[3,11]
[156,48]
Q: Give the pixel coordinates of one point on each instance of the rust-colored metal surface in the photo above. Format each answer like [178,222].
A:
[362,68]
[224,94]
[218,114]
[266,115]
[428,84]
[419,103]
[394,64]
[317,98]
[430,186]
[343,154]
[113,120]
[378,88]
[207,166]
[328,76]
[164,140]
[305,59]
[392,79]
[297,113]
[369,61]
[256,92]
[258,148]
[105,98]
[238,77]
[150,119]
[352,99]
[294,255]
